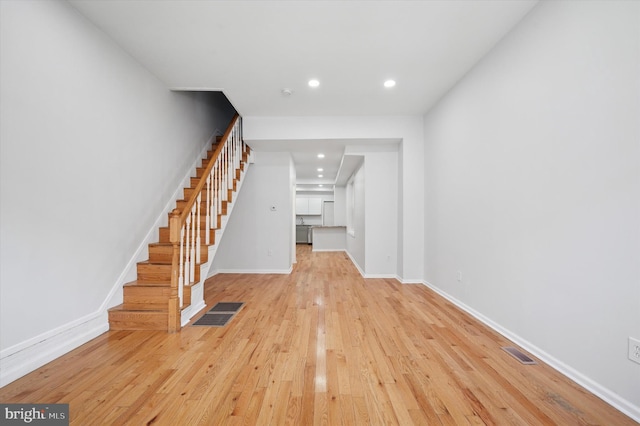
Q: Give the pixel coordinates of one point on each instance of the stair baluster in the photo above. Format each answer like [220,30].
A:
[207,212]
[198,241]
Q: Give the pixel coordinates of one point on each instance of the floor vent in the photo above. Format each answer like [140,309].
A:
[214,320]
[524,359]
[227,307]
[220,314]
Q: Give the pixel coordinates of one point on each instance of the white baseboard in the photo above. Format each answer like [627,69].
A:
[600,391]
[367,276]
[355,264]
[410,280]
[381,276]
[25,357]
[190,312]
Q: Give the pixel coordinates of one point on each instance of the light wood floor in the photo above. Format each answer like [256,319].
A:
[319,346]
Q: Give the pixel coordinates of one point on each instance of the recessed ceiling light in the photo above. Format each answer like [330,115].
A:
[320,185]
[320,155]
[320,169]
[389,83]
[320,175]
[314,83]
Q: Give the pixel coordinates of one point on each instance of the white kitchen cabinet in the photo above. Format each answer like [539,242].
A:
[302,206]
[315,206]
[309,206]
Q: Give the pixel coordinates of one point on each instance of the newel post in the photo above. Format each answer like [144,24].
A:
[174,317]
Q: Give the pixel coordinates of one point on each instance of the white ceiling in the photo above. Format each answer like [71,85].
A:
[251,50]
[336,167]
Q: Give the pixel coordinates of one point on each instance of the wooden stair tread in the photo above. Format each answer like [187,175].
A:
[162,265]
[146,262]
[137,283]
[121,309]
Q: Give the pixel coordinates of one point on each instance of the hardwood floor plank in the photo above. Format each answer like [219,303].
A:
[319,346]
[320,413]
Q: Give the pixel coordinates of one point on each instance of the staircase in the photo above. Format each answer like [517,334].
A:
[162,293]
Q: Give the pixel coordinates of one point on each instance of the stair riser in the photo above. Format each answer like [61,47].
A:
[164,254]
[182,204]
[143,298]
[194,181]
[203,201]
[188,192]
[154,273]
[164,234]
[205,161]
[203,218]
[161,254]
[200,170]
[158,273]
[137,320]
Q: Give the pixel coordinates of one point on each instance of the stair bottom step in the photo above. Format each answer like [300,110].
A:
[123,319]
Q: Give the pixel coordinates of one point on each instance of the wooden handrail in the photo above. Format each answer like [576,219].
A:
[203,180]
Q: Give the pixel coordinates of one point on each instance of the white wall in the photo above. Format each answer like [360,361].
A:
[400,234]
[258,239]
[292,192]
[411,171]
[340,207]
[93,145]
[380,208]
[533,191]
[356,231]
[381,201]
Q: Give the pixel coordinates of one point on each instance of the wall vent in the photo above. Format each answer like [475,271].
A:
[524,359]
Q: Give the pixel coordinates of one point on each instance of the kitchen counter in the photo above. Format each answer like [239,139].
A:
[329,238]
